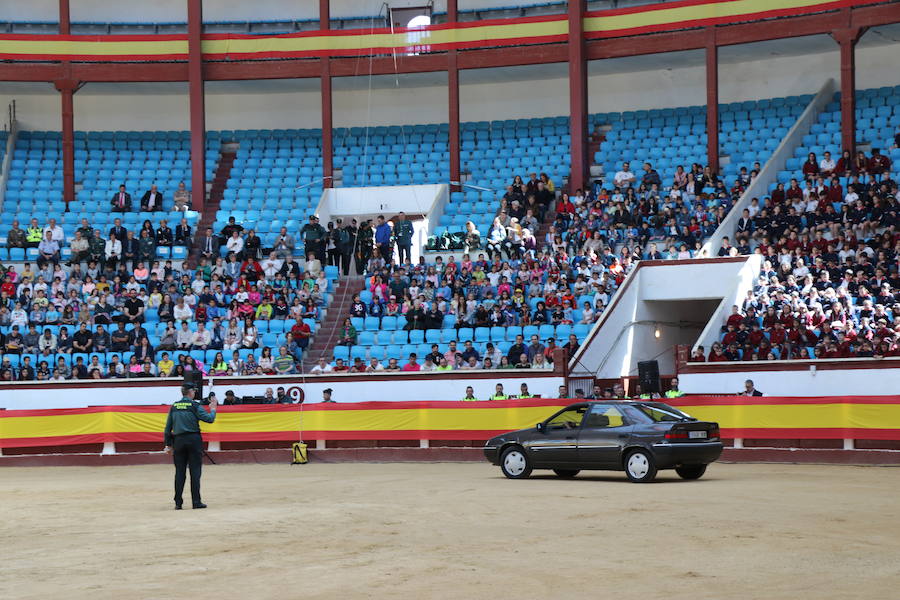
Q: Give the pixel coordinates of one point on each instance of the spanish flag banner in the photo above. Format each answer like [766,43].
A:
[489,33]
[866,418]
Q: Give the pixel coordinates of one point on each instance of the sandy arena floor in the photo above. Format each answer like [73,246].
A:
[450,531]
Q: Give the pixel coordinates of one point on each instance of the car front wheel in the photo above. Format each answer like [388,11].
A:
[566,473]
[691,471]
[640,467]
[515,464]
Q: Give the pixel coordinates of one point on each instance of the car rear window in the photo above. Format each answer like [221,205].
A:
[662,412]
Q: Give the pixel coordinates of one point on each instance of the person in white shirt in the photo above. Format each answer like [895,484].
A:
[182,312]
[271,265]
[851,196]
[112,251]
[754,207]
[56,232]
[235,243]
[427,365]
[18,316]
[826,165]
[624,178]
[184,337]
[321,368]
[374,366]
[201,338]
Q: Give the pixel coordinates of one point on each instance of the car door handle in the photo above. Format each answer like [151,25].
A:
[622,436]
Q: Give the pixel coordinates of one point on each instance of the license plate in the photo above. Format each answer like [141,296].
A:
[696,434]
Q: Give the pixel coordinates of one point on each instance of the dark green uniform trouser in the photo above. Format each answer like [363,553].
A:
[188,453]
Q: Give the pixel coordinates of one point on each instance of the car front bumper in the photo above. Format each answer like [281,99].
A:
[492,453]
[687,453]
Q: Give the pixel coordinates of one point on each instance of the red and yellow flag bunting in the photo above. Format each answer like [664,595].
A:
[362,42]
[874,418]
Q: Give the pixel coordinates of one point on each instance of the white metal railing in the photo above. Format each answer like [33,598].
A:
[759,188]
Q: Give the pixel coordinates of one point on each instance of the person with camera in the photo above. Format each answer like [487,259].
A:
[183,441]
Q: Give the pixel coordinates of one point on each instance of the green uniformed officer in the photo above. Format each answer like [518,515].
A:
[524,393]
[470,395]
[183,441]
[674,392]
[498,393]
[33,234]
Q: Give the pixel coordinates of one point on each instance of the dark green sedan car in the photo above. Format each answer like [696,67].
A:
[637,437]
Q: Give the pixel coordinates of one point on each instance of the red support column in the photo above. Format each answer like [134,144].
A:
[327,108]
[577,96]
[67,89]
[64,20]
[453,102]
[712,101]
[197,104]
[846,39]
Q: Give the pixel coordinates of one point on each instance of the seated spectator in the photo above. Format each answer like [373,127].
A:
[321,367]
[121,201]
[182,198]
[152,199]
[347,335]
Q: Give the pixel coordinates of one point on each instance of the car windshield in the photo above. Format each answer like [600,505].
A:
[663,412]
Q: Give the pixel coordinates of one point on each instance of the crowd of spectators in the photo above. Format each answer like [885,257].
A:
[129,315]
[619,216]
[829,285]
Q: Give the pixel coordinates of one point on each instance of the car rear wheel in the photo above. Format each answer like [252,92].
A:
[691,471]
[640,467]
[515,463]
[566,473]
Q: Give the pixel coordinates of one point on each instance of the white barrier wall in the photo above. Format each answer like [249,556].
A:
[346,389]
[812,381]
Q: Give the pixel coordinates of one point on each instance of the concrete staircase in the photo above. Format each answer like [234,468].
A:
[326,338]
[216,193]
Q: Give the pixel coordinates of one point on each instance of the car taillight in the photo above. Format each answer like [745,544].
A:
[677,435]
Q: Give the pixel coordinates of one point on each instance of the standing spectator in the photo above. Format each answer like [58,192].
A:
[403,234]
[383,238]
[314,235]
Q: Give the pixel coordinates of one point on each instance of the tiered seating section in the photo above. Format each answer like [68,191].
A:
[103,161]
[272,303]
[676,137]
[276,180]
[830,287]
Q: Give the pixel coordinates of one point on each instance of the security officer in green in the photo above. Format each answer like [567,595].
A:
[524,393]
[183,441]
[33,234]
[674,392]
[498,393]
[470,395]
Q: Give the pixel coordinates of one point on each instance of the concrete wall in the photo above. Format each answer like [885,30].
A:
[811,382]
[346,389]
[676,299]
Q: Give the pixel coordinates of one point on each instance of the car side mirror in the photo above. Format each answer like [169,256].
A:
[541,427]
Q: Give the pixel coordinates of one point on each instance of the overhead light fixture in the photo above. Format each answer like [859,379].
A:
[657,332]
